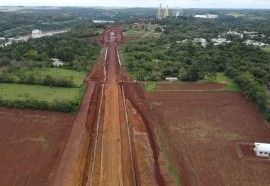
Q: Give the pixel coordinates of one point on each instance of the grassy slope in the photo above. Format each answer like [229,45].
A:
[41,93]
[165,153]
[149,86]
[231,85]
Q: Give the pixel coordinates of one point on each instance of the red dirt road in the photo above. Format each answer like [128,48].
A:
[117,154]
[105,151]
[112,153]
[202,130]
[31,145]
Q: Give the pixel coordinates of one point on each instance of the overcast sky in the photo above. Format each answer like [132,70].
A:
[144,3]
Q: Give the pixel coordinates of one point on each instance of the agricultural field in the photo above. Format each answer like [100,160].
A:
[201,130]
[222,83]
[31,145]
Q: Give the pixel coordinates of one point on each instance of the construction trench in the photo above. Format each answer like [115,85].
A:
[112,141]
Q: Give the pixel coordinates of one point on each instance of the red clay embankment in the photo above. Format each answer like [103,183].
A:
[72,162]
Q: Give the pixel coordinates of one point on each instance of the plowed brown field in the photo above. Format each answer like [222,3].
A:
[190,86]
[202,130]
[31,145]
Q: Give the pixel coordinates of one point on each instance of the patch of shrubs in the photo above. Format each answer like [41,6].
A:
[31,79]
[60,106]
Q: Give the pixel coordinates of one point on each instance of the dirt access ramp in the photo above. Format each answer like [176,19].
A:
[202,130]
[31,145]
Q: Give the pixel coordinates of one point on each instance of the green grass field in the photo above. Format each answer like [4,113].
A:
[236,14]
[267,49]
[77,77]
[11,91]
[149,86]
[246,15]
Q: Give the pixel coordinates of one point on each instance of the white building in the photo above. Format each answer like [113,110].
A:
[234,33]
[220,41]
[262,149]
[207,16]
[255,43]
[200,40]
[57,63]
[171,78]
[36,32]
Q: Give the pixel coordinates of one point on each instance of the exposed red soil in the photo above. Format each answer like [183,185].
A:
[190,86]
[246,150]
[202,130]
[31,145]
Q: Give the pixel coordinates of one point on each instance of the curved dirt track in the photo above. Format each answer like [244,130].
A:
[113,144]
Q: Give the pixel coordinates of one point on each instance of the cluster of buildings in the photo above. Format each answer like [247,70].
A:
[222,39]
[255,43]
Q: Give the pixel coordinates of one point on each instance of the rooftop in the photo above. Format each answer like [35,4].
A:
[263,146]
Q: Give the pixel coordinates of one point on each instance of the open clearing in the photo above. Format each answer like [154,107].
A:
[11,91]
[31,145]
[202,129]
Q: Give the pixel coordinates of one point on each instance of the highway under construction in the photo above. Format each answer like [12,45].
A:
[112,141]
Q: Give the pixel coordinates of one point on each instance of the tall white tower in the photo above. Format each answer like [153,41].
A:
[159,13]
[166,13]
